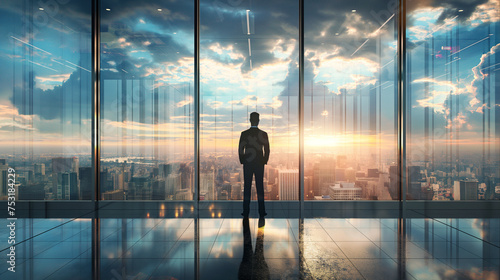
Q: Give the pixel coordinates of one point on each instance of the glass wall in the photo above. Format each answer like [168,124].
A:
[147,122]
[453,101]
[45,99]
[249,63]
[350,101]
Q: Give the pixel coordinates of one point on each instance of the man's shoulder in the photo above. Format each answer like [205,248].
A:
[262,131]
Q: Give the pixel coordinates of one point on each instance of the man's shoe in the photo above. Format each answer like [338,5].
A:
[262,222]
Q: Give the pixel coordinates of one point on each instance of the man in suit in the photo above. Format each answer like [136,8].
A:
[253,151]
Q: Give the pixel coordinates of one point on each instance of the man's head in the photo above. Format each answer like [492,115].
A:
[254,118]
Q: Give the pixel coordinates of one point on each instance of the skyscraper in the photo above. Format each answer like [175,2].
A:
[324,175]
[74,188]
[62,165]
[39,169]
[414,182]
[394,182]
[207,185]
[288,184]
[3,177]
[86,186]
[465,190]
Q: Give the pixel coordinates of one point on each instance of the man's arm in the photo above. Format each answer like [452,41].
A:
[266,148]
[241,149]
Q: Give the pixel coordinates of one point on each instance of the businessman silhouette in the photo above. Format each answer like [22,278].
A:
[253,151]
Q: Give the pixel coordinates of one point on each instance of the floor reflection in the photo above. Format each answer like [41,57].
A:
[257,249]
[253,265]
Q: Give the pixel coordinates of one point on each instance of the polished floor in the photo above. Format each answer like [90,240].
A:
[255,249]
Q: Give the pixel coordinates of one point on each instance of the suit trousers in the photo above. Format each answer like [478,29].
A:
[249,170]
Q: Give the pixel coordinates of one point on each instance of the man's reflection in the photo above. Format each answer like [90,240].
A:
[253,265]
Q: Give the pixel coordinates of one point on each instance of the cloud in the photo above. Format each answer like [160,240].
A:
[479,76]
[487,12]
[449,8]
[10,118]
[62,101]
[435,101]
[51,81]
[276,103]
[457,122]
[183,103]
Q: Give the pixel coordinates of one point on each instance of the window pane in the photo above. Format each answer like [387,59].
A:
[45,99]
[453,97]
[350,101]
[147,100]
[249,62]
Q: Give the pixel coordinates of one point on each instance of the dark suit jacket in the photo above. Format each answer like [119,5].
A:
[253,147]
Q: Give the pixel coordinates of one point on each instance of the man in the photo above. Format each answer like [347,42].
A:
[253,151]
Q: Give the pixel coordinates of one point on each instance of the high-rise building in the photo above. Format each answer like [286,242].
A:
[236,191]
[172,185]
[369,187]
[394,182]
[288,184]
[207,185]
[74,188]
[158,188]
[490,187]
[186,172]
[86,185]
[59,189]
[139,188]
[465,190]
[68,188]
[324,175]
[164,170]
[350,174]
[62,165]
[39,169]
[3,177]
[272,174]
[414,182]
[106,184]
[308,189]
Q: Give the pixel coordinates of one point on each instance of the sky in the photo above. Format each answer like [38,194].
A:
[249,62]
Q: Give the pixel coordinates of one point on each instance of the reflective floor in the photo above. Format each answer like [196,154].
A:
[255,249]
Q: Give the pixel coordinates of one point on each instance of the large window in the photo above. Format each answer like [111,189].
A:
[45,99]
[350,101]
[249,62]
[249,58]
[453,102]
[147,100]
